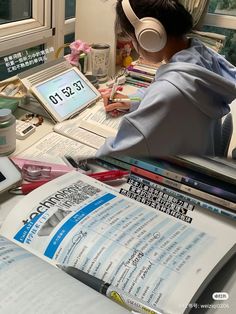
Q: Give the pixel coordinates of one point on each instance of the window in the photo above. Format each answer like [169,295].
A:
[23,16]
[29,25]
[8,71]
[12,11]
[24,24]
[70,9]
[221,18]
[224,7]
[69,38]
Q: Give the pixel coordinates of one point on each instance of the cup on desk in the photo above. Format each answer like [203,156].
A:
[100,54]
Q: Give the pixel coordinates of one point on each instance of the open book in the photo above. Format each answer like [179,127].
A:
[77,221]
[79,137]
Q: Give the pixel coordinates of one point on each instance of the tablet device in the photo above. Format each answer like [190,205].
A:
[9,174]
[66,94]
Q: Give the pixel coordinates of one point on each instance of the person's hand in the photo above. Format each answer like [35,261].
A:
[114,108]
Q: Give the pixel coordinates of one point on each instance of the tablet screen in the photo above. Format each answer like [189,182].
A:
[66,94]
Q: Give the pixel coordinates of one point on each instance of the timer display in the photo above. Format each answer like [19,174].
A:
[66,93]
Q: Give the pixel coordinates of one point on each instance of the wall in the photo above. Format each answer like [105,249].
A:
[95,24]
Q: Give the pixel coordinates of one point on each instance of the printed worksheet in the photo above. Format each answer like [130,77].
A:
[53,147]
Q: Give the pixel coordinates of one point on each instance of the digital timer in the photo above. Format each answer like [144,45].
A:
[66,93]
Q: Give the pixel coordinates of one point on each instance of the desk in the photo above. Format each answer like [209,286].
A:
[225,281]
[9,200]
[40,131]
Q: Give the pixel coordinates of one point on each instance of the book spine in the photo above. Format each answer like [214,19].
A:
[179,186]
[186,198]
[143,71]
[228,197]
[143,77]
[117,163]
[106,164]
[145,65]
[135,82]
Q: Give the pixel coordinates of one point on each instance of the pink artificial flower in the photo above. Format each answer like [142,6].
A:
[78,47]
[73,59]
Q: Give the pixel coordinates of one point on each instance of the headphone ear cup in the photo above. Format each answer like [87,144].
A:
[150,34]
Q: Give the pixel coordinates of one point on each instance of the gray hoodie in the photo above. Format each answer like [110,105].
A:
[181,111]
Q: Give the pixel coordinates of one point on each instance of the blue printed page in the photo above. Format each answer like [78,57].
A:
[26,286]
[77,221]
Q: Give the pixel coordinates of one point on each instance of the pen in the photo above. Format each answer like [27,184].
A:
[113,91]
[113,293]
[101,176]
[72,162]
[81,165]
[126,99]
[26,188]
[109,175]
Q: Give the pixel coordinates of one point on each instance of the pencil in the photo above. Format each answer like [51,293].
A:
[128,100]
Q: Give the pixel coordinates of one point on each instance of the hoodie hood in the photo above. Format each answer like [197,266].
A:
[205,78]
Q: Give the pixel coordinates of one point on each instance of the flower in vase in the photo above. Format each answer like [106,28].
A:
[77,48]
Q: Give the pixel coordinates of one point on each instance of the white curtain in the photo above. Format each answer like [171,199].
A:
[198,9]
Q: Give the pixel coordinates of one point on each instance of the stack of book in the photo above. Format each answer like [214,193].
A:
[141,73]
[211,191]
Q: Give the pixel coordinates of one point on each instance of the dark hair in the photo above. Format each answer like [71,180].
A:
[176,20]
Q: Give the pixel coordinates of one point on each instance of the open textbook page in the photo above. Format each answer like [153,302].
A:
[71,129]
[30,285]
[92,128]
[53,147]
[93,125]
[99,122]
[79,137]
[75,220]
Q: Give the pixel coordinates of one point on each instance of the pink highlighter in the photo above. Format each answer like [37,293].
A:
[33,170]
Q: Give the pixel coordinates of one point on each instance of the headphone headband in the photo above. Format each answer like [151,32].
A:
[149,32]
[132,17]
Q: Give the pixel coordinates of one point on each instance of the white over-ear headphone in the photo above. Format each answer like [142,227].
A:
[150,33]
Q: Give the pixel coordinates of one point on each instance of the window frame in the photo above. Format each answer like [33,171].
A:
[220,20]
[41,11]
[63,26]
[30,32]
[69,26]
[48,27]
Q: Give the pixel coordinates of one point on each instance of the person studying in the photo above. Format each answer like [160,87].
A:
[180,112]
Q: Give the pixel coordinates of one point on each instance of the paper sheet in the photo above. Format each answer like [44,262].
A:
[53,147]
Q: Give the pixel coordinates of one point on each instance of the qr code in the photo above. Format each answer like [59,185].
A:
[82,192]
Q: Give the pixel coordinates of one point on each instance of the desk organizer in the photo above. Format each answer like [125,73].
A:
[11,93]
[12,89]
